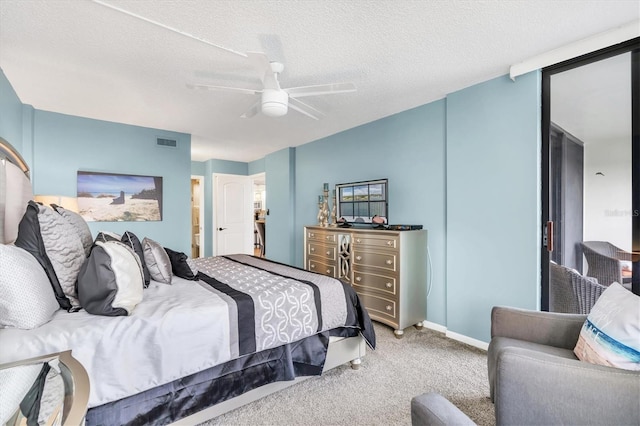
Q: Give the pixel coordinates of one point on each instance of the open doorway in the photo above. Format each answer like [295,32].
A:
[591,170]
[197,216]
[260,213]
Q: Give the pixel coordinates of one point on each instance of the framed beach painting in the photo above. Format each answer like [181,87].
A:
[111,197]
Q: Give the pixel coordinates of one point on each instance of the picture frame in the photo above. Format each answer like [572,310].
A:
[115,197]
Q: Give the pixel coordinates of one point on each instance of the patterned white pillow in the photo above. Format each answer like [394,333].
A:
[28,300]
[611,334]
[19,379]
[157,261]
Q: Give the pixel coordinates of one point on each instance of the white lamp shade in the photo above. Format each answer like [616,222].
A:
[69,203]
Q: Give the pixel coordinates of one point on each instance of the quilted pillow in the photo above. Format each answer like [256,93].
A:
[611,334]
[57,247]
[180,265]
[110,282]
[27,298]
[130,239]
[80,226]
[157,261]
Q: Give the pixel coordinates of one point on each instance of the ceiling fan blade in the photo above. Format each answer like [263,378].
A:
[224,89]
[320,89]
[302,108]
[305,108]
[262,64]
[253,110]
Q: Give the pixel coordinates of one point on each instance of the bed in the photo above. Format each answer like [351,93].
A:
[213,335]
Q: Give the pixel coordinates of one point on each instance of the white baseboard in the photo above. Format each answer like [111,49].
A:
[456,336]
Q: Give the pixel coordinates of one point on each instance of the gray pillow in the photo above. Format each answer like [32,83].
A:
[27,298]
[80,226]
[157,261]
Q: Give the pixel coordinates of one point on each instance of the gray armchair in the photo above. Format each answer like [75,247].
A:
[535,378]
[570,292]
[604,261]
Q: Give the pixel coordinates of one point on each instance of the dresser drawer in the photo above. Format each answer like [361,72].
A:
[390,241]
[317,249]
[313,235]
[321,267]
[364,281]
[380,307]
[387,261]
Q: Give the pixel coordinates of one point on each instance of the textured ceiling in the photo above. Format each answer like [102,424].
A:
[81,58]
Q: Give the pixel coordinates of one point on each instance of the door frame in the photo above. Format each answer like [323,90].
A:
[202,229]
[632,46]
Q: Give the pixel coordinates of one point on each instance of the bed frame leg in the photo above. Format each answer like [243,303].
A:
[355,363]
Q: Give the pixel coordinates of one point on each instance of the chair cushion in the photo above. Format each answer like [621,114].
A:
[611,334]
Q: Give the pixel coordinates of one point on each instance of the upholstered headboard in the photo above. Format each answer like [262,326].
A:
[15,191]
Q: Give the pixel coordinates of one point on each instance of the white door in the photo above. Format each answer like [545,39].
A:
[233,204]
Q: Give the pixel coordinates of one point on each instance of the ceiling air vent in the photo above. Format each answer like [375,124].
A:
[167,142]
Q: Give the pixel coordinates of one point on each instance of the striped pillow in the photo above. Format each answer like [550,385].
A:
[611,334]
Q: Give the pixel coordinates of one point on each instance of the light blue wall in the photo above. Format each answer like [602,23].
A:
[280,227]
[493,224]
[11,116]
[256,167]
[408,149]
[64,144]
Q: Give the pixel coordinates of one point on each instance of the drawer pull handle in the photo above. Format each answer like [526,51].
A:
[389,243]
[389,307]
[328,237]
[328,252]
[358,278]
[311,234]
[358,257]
[389,262]
[328,271]
[358,240]
[313,266]
[313,249]
[389,285]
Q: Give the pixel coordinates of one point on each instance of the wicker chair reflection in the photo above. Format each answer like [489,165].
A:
[604,261]
[260,229]
[570,292]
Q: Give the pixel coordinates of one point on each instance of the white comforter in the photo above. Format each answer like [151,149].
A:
[177,330]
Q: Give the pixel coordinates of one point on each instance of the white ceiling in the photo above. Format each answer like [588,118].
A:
[81,58]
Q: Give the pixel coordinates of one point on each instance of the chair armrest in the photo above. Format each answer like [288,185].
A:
[545,328]
[539,388]
[432,409]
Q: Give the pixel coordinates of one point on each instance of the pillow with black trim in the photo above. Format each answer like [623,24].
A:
[157,261]
[132,241]
[104,236]
[27,298]
[180,265]
[79,224]
[57,247]
[611,334]
[110,282]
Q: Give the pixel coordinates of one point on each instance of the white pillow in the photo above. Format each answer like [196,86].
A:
[19,379]
[611,334]
[27,300]
[157,261]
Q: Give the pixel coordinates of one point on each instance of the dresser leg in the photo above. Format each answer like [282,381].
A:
[398,333]
[355,363]
[419,325]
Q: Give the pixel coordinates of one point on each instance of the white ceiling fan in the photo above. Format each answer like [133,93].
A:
[274,100]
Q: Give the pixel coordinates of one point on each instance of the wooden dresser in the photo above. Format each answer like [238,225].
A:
[388,269]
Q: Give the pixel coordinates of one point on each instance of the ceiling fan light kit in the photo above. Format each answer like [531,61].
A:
[274,102]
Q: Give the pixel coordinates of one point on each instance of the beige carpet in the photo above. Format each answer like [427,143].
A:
[380,392]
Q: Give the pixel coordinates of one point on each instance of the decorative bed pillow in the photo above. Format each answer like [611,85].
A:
[180,265]
[57,247]
[157,261]
[80,226]
[110,282]
[611,334]
[104,236]
[27,299]
[130,239]
[20,380]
